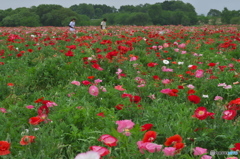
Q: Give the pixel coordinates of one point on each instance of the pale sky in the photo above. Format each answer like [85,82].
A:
[201,6]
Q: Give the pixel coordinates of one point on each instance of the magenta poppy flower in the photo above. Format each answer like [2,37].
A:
[93,90]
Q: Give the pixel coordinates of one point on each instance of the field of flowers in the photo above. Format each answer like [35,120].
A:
[129,92]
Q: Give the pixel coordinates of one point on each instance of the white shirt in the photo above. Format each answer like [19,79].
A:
[103,24]
[72,25]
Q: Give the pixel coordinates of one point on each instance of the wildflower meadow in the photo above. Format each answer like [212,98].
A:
[130,92]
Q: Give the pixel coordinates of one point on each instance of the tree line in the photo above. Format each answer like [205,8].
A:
[165,13]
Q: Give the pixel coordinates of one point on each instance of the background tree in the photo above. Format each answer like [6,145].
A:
[155,13]
[139,19]
[85,9]
[214,13]
[44,9]
[62,17]
[21,17]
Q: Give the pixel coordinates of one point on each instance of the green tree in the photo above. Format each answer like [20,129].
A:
[22,17]
[62,17]
[154,12]
[214,13]
[43,9]
[235,20]
[139,19]
[83,8]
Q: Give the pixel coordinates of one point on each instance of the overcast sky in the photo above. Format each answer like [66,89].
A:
[201,6]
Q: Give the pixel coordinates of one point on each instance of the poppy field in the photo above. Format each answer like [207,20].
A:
[152,92]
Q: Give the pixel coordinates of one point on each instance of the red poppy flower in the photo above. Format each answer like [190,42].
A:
[195,99]
[173,140]
[27,140]
[156,77]
[179,146]
[149,136]
[91,77]
[212,64]
[39,100]
[69,53]
[86,83]
[191,91]
[43,110]
[35,120]
[180,87]
[101,114]
[119,106]
[152,64]
[71,47]
[200,113]
[229,114]
[97,66]
[10,84]
[135,99]
[146,127]
[236,147]
[193,67]
[4,148]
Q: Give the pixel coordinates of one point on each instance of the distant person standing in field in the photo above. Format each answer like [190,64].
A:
[104,24]
[72,25]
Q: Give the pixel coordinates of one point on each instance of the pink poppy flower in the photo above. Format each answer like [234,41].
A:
[199,151]
[119,87]
[93,90]
[119,71]
[191,86]
[124,126]
[232,158]
[102,151]
[103,89]
[88,155]
[152,96]
[108,140]
[199,73]
[166,81]
[97,81]
[150,147]
[222,85]
[206,157]
[133,58]
[3,110]
[165,69]
[176,50]
[184,52]
[77,83]
[30,107]
[182,46]
[51,104]
[228,87]
[169,151]
[218,98]
[166,91]
[165,45]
